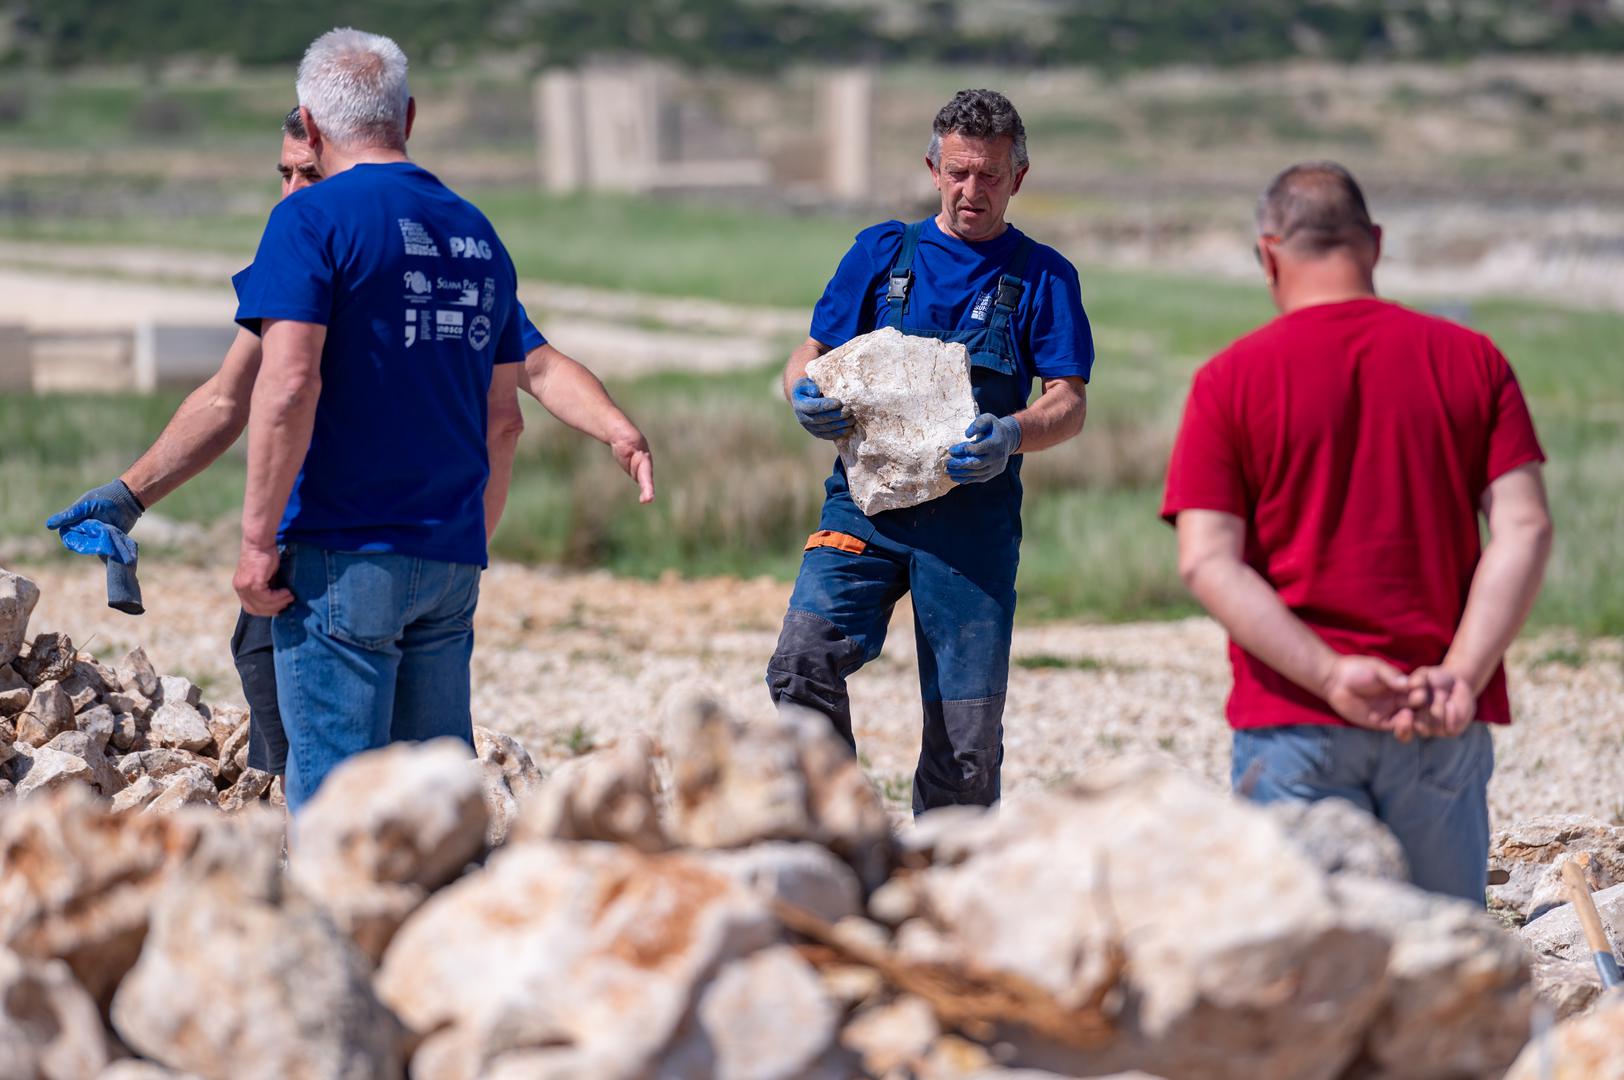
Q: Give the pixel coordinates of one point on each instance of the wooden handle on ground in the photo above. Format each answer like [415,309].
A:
[1589,919]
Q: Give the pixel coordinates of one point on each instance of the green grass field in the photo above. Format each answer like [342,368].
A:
[740,483]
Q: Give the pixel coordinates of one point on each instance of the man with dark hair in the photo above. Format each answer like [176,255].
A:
[1325,485]
[963,275]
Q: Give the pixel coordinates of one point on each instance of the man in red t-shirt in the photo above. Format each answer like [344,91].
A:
[1325,485]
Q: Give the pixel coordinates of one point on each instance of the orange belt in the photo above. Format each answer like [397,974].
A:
[842,541]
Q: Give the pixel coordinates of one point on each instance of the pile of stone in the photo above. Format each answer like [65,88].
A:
[732,900]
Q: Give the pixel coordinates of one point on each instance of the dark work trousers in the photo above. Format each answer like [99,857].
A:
[251,651]
[957,556]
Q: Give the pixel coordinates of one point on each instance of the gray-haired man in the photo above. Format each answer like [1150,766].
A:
[963,275]
[390,329]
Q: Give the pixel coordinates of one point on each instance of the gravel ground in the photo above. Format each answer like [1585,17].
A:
[565,661]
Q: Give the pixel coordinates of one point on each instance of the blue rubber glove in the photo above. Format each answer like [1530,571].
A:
[99,524]
[992,440]
[112,504]
[824,417]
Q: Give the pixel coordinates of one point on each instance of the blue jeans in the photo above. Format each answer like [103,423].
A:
[373,649]
[1432,793]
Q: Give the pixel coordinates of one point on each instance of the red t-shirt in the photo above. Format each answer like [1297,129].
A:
[1356,440]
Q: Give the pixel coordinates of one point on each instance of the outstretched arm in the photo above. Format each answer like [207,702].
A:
[570,392]
[503,428]
[1363,690]
[204,427]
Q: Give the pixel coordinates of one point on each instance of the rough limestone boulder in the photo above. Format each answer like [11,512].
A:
[385,829]
[76,881]
[606,795]
[805,875]
[1229,937]
[137,675]
[242,978]
[49,714]
[18,596]
[1589,1047]
[789,777]
[574,959]
[1528,852]
[911,399]
[177,725]
[1569,987]
[40,769]
[49,1027]
[1458,998]
[1340,838]
[1558,933]
[509,775]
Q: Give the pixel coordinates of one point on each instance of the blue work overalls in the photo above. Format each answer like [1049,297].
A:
[957,554]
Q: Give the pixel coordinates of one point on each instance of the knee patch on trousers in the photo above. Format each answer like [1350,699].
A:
[810,666]
[962,754]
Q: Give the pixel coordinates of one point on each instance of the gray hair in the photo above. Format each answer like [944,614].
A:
[979,114]
[354,84]
[293,125]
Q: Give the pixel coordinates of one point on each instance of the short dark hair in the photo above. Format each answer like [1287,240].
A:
[980,114]
[1315,207]
[293,124]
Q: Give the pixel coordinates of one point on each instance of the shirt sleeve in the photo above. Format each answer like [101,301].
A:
[1060,338]
[846,308]
[1204,472]
[239,284]
[1512,440]
[531,338]
[298,247]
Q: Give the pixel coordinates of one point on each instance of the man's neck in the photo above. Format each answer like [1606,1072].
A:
[339,159]
[944,225]
[1327,281]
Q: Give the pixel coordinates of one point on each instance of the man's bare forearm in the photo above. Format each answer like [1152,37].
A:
[795,370]
[578,398]
[282,417]
[1255,617]
[204,427]
[1507,578]
[1056,416]
[504,426]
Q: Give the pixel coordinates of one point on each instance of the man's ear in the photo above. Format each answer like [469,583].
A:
[1015,188]
[935,174]
[1268,259]
[411,115]
[312,133]
[1376,244]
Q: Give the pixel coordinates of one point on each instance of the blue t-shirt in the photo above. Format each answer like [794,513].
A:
[530,337]
[955,282]
[418,297]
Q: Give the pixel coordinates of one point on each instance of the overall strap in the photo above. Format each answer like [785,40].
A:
[1012,284]
[902,276]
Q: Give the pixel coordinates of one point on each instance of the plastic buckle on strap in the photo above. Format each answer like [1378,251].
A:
[897,291]
[1009,293]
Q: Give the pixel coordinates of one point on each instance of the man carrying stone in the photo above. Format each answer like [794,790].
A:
[1326,484]
[214,415]
[964,275]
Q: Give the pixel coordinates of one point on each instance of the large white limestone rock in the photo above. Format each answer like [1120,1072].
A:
[911,399]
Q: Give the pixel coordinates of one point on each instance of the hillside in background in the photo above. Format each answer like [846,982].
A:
[764,34]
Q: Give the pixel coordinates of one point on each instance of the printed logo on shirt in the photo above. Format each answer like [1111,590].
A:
[467,293]
[479,332]
[417,239]
[983,305]
[447,325]
[411,327]
[488,296]
[467,247]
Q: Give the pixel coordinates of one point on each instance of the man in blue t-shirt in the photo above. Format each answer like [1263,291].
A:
[390,325]
[964,275]
[214,415]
